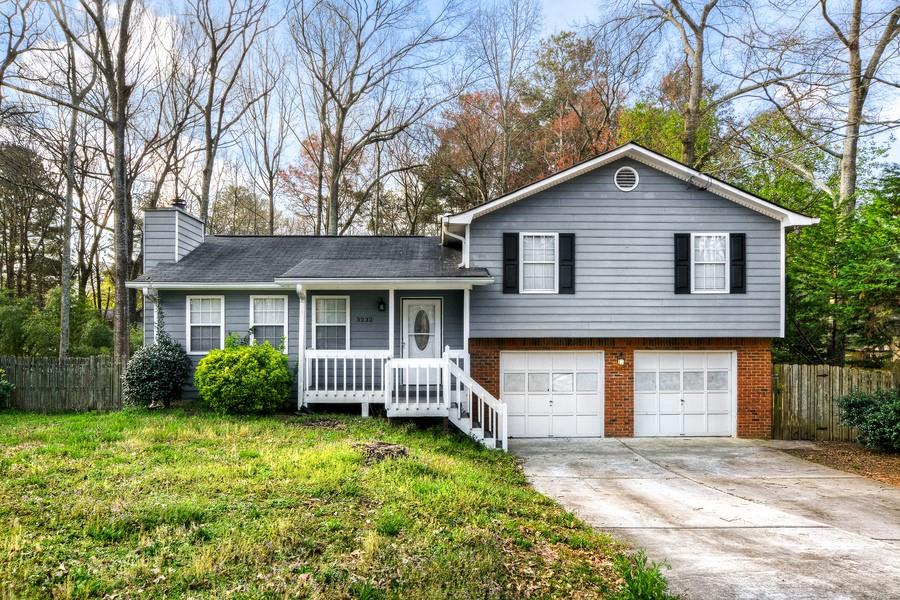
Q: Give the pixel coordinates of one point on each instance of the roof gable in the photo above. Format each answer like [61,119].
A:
[787,217]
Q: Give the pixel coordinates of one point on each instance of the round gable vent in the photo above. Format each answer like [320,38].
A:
[626,179]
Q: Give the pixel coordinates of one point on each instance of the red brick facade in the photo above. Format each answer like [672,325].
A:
[754,377]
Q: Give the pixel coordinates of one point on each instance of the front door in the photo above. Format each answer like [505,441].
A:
[422,334]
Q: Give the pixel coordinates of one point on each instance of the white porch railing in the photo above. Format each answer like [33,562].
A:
[440,387]
[344,375]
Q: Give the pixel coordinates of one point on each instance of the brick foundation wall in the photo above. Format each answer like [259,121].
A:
[754,376]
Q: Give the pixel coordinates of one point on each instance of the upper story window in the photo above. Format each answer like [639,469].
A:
[268,320]
[205,323]
[331,323]
[539,259]
[709,262]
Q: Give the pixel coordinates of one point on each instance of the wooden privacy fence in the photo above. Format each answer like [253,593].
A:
[74,384]
[804,399]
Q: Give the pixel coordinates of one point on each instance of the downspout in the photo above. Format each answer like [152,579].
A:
[464,243]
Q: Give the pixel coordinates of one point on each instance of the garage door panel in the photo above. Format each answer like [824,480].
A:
[563,362]
[646,425]
[564,404]
[645,403]
[693,360]
[564,426]
[718,360]
[538,426]
[646,362]
[538,404]
[670,362]
[669,424]
[694,403]
[683,393]
[557,394]
[589,427]
[515,404]
[719,424]
[669,403]
[516,424]
[695,424]
[718,402]
[538,361]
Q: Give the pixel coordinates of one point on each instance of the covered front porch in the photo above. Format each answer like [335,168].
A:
[402,346]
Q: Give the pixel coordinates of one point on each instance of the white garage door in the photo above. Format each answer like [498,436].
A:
[553,394]
[684,393]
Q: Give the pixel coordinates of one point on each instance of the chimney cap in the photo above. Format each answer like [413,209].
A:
[178,202]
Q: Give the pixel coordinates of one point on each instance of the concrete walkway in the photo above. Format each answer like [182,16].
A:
[733,518]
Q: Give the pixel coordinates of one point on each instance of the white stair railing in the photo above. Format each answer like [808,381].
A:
[477,412]
[442,387]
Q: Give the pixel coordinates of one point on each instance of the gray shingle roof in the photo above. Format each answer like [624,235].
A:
[261,259]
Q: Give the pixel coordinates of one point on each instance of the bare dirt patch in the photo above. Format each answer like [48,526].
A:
[853,458]
[379,451]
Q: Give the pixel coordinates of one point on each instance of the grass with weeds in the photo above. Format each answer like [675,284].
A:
[185,504]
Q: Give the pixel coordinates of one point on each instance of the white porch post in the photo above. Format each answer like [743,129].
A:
[391,321]
[466,303]
[301,349]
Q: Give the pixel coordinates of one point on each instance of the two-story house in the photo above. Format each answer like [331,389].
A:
[628,295]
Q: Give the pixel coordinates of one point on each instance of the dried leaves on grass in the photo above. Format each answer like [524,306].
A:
[853,458]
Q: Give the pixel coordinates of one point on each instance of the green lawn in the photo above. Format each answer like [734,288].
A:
[175,504]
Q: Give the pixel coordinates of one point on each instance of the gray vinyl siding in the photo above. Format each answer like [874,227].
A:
[190,234]
[373,335]
[237,318]
[160,235]
[363,304]
[624,273]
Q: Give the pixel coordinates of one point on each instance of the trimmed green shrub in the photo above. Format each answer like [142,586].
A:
[244,379]
[877,417]
[6,389]
[154,375]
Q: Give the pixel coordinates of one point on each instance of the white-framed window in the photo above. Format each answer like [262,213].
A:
[709,263]
[331,323]
[205,318]
[268,320]
[538,263]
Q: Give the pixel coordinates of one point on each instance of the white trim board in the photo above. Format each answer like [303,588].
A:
[631,150]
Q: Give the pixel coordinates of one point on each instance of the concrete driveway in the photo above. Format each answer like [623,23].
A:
[733,518]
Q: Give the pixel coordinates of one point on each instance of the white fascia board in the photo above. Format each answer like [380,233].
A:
[423,283]
[187,285]
[651,159]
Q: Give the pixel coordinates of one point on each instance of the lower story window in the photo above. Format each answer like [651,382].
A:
[206,324]
[331,323]
[268,320]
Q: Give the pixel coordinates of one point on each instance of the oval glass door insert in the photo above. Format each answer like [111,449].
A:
[421,328]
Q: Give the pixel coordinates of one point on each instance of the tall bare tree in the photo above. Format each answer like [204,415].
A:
[227,31]
[851,56]
[77,86]
[722,53]
[20,31]
[504,43]
[268,121]
[374,64]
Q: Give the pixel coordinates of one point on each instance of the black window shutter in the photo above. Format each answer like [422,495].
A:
[682,263]
[738,255]
[567,263]
[510,263]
